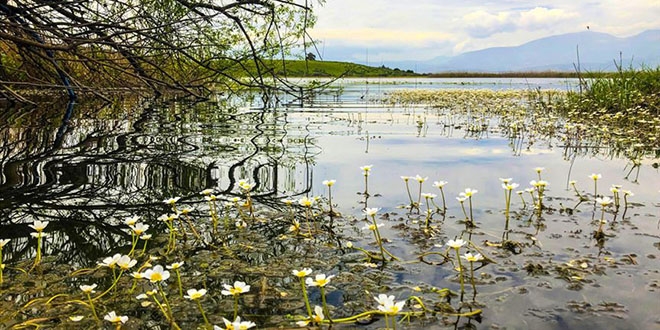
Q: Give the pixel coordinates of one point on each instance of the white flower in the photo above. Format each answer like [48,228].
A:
[456,243]
[171,201]
[420,179]
[509,186]
[429,195]
[3,242]
[210,198]
[175,266]
[302,273]
[236,325]
[139,228]
[506,180]
[114,318]
[387,305]
[156,274]
[110,261]
[539,169]
[238,288]
[38,225]
[125,262]
[131,220]
[472,258]
[405,178]
[88,288]
[461,199]
[318,314]
[206,192]
[245,185]
[595,176]
[372,226]
[329,183]
[366,168]
[317,317]
[604,201]
[295,226]
[469,192]
[305,201]
[628,193]
[195,294]
[370,211]
[145,237]
[320,280]
[439,184]
[76,318]
[39,234]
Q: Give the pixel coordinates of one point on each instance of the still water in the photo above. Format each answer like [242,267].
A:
[106,164]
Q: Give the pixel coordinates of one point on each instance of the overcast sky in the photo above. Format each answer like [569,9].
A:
[391,30]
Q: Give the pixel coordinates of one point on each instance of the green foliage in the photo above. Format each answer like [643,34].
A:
[301,68]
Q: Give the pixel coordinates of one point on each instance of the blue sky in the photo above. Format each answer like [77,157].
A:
[394,30]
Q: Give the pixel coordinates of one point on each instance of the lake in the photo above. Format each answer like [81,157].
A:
[106,164]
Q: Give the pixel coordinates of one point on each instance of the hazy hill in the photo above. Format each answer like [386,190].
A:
[597,53]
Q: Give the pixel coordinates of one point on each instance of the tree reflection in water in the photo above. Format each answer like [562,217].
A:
[88,173]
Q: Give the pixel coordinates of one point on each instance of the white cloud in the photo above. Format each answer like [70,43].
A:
[541,17]
[481,24]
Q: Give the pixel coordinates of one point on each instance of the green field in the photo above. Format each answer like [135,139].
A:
[301,68]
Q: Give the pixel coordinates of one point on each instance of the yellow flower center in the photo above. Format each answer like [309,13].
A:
[156,277]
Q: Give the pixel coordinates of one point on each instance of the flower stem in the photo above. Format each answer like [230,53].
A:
[201,310]
[178,279]
[235,306]
[325,304]
[460,270]
[91,305]
[304,292]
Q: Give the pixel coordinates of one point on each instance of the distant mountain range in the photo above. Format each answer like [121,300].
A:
[597,51]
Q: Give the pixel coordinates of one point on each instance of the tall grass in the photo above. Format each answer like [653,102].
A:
[625,91]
